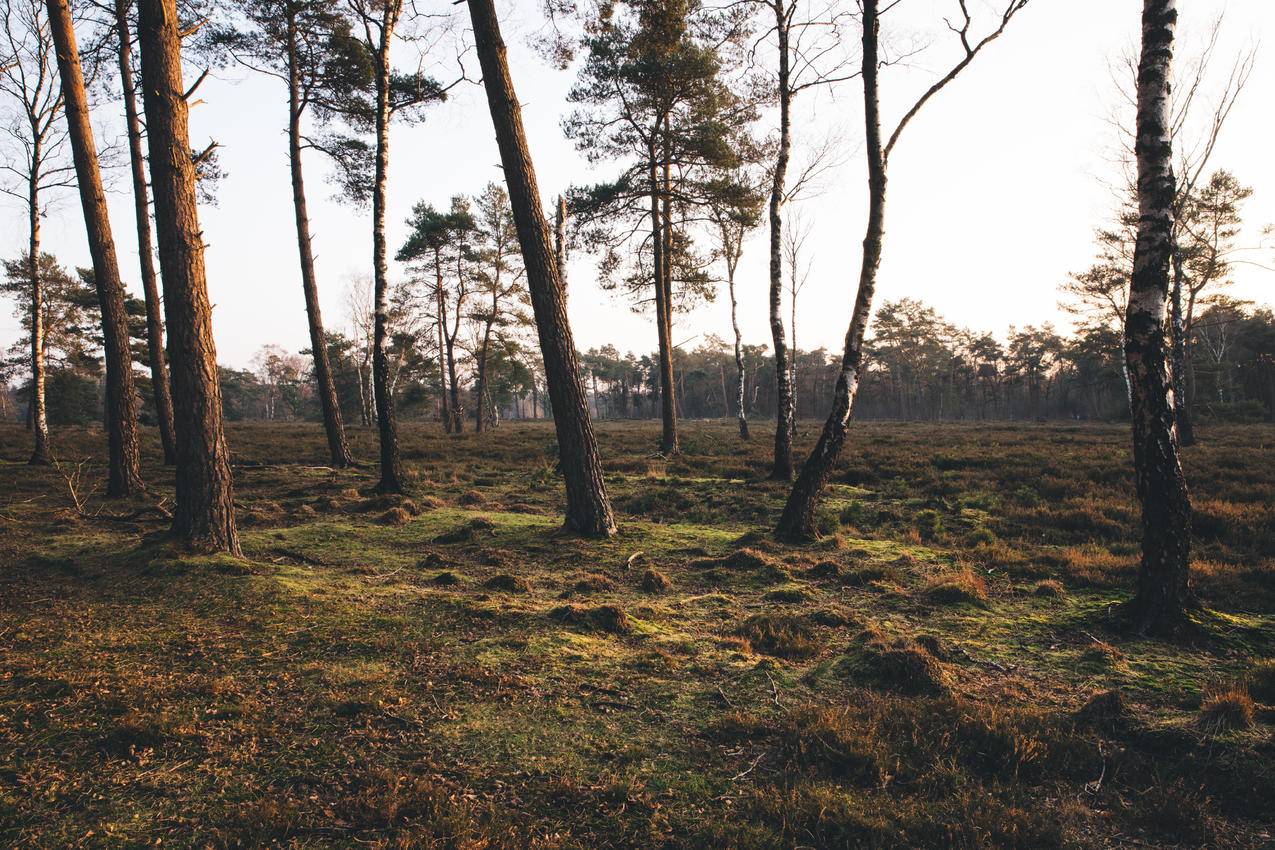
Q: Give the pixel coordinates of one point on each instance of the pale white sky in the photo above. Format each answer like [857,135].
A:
[995,191]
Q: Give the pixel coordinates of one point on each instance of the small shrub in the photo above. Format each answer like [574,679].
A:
[980,536]
[472,497]
[1226,708]
[898,665]
[929,524]
[654,581]
[856,514]
[781,635]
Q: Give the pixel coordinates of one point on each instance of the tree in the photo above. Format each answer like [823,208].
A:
[499,279]
[651,94]
[306,44]
[442,241]
[1164,587]
[205,512]
[124,477]
[588,508]
[808,53]
[156,358]
[733,217]
[28,76]
[392,94]
[798,519]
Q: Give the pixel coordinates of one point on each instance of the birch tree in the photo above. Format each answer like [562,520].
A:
[1164,587]
[798,519]
[35,164]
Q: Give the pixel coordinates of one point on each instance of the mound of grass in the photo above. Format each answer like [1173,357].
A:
[1105,710]
[1261,681]
[395,516]
[825,570]
[781,635]
[1049,589]
[898,665]
[654,581]
[446,578]
[1226,708]
[603,618]
[506,583]
[957,587]
[471,530]
[592,583]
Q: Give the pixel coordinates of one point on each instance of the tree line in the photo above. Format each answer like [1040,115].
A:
[697,132]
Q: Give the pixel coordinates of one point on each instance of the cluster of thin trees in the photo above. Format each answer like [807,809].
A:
[670,94]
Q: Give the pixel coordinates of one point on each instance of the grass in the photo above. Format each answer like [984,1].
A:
[450,670]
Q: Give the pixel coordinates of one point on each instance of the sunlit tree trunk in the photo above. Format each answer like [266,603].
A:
[391,466]
[1178,328]
[798,519]
[41,455]
[588,509]
[145,251]
[205,510]
[124,476]
[781,470]
[1164,586]
[338,447]
[663,307]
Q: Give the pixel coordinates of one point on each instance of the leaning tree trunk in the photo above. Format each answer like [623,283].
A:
[784,407]
[798,519]
[338,447]
[124,477]
[145,252]
[1178,321]
[205,511]
[40,455]
[391,466]
[1164,585]
[588,509]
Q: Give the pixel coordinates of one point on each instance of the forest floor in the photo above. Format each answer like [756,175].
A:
[942,670]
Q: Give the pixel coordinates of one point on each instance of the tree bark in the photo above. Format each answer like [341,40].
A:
[124,477]
[1178,325]
[145,250]
[798,519]
[205,512]
[440,302]
[40,455]
[782,468]
[338,446]
[391,466]
[1164,584]
[741,410]
[663,307]
[560,240]
[588,508]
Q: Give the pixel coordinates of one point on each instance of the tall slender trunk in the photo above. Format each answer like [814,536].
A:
[458,409]
[1164,585]
[41,455]
[741,410]
[1178,367]
[145,250]
[798,519]
[440,308]
[205,511]
[782,467]
[124,477]
[661,232]
[338,447]
[391,466]
[588,508]
[483,351]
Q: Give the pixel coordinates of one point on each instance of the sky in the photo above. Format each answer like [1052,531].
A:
[995,189]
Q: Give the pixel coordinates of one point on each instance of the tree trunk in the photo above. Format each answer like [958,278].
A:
[1164,585]
[40,456]
[458,409]
[1178,369]
[663,307]
[338,447]
[124,477]
[782,468]
[798,519]
[560,241]
[145,250]
[391,466]
[205,511]
[741,411]
[588,509]
[481,423]
[440,302]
